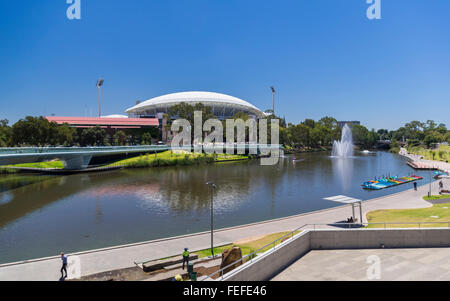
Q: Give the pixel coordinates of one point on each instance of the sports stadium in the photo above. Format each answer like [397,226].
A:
[222,106]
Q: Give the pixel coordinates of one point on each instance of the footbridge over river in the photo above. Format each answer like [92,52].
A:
[74,158]
[78,158]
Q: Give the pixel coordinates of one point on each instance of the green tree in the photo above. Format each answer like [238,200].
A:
[447,137]
[32,131]
[94,136]
[65,135]
[146,139]
[5,133]
[361,136]
[186,111]
[120,138]
[309,123]
[432,137]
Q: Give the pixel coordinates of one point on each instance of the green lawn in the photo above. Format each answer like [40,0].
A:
[436,213]
[436,197]
[50,164]
[441,154]
[45,165]
[170,158]
[248,247]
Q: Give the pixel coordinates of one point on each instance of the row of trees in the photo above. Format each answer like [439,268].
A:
[322,134]
[186,111]
[307,134]
[38,131]
[417,133]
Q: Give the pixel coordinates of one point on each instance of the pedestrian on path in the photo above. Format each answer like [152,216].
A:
[415,186]
[185,257]
[64,265]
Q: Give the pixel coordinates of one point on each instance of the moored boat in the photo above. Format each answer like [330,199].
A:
[386,182]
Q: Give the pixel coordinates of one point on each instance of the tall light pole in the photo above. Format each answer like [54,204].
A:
[99,84]
[429,192]
[213,186]
[273,99]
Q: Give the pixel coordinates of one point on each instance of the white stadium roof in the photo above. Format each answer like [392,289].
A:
[115,116]
[207,98]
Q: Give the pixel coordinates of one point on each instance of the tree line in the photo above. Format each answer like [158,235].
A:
[38,131]
[416,133]
[309,134]
[322,133]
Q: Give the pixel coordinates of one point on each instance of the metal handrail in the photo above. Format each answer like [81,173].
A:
[314,228]
[253,253]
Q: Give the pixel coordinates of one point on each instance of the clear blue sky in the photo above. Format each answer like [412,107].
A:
[323,56]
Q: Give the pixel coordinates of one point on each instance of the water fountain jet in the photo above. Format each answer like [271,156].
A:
[344,148]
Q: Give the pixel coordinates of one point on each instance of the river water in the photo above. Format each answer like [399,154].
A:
[44,215]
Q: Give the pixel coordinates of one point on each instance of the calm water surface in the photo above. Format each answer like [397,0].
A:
[43,215]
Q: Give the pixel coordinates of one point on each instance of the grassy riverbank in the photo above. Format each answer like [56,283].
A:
[441,154]
[437,213]
[45,165]
[298,150]
[10,169]
[167,158]
[172,158]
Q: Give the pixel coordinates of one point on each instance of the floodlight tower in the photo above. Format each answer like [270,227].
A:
[99,84]
[273,99]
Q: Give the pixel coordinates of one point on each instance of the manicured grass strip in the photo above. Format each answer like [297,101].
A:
[172,158]
[249,247]
[436,213]
[436,197]
[441,154]
[44,165]
[217,250]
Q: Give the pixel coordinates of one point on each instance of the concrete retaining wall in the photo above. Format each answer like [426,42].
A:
[374,238]
[265,266]
[269,264]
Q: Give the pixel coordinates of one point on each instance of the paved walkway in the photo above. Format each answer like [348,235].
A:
[425,164]
[97,261]
[414,264]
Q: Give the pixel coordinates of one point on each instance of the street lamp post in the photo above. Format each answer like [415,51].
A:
[429,192]
[273,99]
[213,186]
[99,84]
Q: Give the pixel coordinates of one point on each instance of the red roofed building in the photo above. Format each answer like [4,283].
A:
[106,122]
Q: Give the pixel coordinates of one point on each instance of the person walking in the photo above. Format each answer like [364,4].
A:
[185,257]
[415,186]
[64,265]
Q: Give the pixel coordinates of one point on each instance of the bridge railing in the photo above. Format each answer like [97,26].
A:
[61,149]
[57,149]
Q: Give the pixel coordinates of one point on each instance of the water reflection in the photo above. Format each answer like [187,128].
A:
[9,182]
[343,171]
[96,210]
